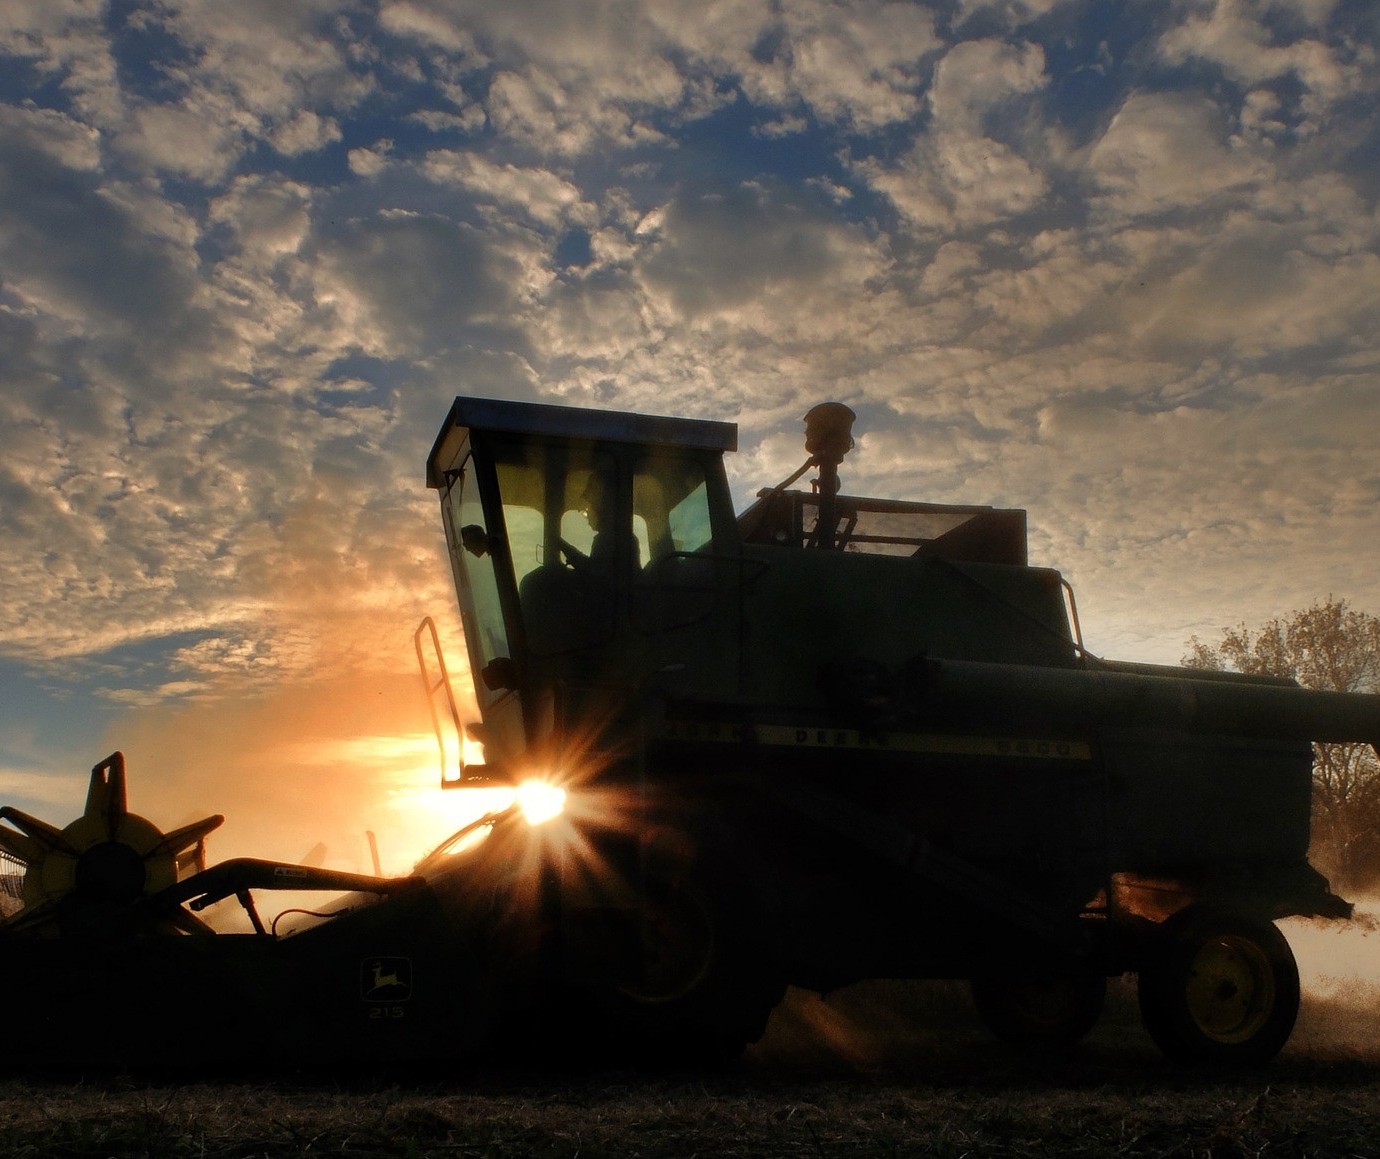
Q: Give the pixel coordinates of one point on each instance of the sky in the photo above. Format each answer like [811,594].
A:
[1116,262]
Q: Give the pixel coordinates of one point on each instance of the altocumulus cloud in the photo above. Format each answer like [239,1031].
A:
[1118,263]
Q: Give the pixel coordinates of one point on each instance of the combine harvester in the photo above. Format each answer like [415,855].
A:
[829,739]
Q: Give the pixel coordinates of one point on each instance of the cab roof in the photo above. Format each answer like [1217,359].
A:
[531,418]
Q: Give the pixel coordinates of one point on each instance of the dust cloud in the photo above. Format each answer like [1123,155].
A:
[1339,974]
[931,1026]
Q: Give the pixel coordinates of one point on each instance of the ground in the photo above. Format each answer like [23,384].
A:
[884,1069]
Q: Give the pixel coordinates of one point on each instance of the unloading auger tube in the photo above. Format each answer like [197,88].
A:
[1107,694]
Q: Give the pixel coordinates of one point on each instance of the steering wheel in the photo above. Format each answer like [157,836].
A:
[577,559]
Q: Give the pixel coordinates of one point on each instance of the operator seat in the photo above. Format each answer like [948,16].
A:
[562,610]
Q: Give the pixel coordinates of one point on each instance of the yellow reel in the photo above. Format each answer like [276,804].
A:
[103,862]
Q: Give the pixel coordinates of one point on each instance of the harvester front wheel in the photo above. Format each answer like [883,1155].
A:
[1218,987]
[699,993]
[1051,1012]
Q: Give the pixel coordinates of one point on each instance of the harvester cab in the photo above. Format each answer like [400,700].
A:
[593,554]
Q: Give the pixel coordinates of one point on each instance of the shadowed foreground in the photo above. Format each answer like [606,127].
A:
[876,1071]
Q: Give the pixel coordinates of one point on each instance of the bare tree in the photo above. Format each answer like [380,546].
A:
[1327,646]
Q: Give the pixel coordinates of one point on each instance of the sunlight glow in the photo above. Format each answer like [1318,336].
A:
[472,751]
[540,801]
[417,813]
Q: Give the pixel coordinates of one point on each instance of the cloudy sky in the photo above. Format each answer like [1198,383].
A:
[1113,261]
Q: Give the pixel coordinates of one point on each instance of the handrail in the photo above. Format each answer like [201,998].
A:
[440,684]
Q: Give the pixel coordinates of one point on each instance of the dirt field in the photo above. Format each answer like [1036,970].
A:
[876,1070]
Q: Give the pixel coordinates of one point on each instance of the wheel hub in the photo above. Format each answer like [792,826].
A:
[110,873]
[1231,989]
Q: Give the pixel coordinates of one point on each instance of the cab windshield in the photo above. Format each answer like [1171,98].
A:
[583,528]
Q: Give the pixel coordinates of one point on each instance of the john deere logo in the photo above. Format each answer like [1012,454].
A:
[386,979]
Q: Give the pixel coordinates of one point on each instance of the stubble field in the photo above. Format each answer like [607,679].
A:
[882,1069]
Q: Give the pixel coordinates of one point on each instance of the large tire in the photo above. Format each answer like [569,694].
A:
[1052,1012]
[700,992]
[1219,988]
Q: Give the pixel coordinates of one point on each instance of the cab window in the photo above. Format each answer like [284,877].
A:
[671,506]
[474,559]
[560,508]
